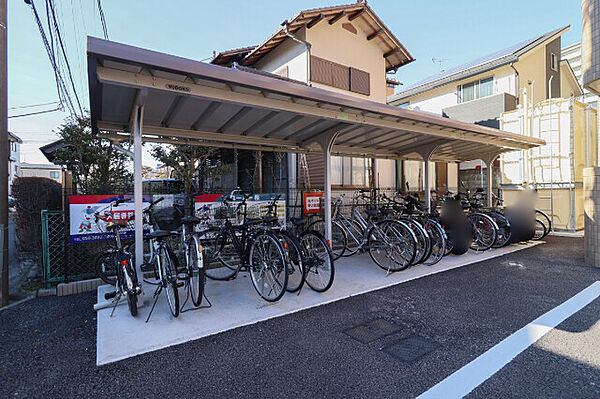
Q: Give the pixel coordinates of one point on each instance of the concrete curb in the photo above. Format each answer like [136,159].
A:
[77,287]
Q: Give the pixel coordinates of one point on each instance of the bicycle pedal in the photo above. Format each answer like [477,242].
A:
[147,267]
[110,295]
[180,284]
[182,276]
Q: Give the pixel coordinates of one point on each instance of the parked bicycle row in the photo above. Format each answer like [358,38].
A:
[399,232]
[221,242]
[278,259]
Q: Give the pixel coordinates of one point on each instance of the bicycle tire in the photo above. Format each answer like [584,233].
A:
[539,234]
[169,282]
[195,271]
[106,262]
[319,263]
[354,237]
[216,246]
[261,266]
[394,242]
[546,220]
[294,256]
[438,239]
[504,230]
[484,231]
[422,240]
[338,236]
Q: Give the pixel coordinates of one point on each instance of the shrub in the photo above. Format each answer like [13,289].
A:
[32,195]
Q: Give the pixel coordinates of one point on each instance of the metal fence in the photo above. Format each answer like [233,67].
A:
[62,260]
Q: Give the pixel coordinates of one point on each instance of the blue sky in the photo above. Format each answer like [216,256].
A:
[456,31]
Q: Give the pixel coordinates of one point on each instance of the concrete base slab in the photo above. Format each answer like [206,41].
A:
[236,303]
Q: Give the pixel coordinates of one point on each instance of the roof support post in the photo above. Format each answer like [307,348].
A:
[426,152]
[137,121]
[326,143]
[489,159]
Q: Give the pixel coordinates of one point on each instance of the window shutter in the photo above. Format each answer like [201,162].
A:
[320,71]
[340,76]
[360,81]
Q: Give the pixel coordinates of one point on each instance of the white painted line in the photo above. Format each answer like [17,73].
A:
[469,377]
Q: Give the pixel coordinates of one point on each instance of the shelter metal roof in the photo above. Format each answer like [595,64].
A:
[187,100]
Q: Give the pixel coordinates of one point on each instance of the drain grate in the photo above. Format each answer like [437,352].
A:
[372,330]
[411,348]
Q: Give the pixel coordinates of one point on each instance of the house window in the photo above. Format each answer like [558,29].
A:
[553,62]
[474,90]
[54,175]
[346,171]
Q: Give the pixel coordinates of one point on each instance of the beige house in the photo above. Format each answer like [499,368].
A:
[526,89]
[345,49]
[49,171]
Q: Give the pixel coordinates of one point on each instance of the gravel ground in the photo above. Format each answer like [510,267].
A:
[49,343]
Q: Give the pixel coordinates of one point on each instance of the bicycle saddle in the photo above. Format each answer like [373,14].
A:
[116,224]
[160,234]
[297,221]
[191,219]
[253,221]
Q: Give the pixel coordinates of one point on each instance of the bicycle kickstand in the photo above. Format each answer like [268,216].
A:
[116,301]
[156,294]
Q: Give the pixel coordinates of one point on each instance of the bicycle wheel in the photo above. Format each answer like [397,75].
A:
[484,231]
[437,238]
[195,270]
[338,236]
[318,261]
[422,240]
[106,266]
[169,280]
[392,245]
[354,236]
[294,257]
[504,230]
[220,258]
[545,219]
[268,268]
[540,230]
[132,296]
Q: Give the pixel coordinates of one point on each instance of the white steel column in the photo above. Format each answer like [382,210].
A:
[326,142]
[138,118]
[426,152]
[489,162]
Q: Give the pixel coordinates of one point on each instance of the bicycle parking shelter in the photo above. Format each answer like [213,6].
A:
[142,95]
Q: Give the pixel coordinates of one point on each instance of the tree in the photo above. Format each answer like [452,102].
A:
[97,167]
[193,164]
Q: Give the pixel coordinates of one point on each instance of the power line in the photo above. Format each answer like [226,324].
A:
[63,93]
[58,108]
[33,105]
[66,60]
[102,20]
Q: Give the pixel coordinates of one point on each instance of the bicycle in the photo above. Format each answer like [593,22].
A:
[194,275]
[231,248]
[125,277]
[308,253]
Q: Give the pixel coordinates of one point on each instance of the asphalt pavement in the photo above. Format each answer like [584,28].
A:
[410,337]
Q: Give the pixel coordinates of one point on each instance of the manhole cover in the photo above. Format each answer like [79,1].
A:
[410,349]
[372,330]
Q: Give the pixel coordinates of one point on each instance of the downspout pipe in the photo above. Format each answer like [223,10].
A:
[550,87]
[517,82]
[286,30]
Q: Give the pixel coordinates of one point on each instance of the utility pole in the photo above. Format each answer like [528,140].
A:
[4,150]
